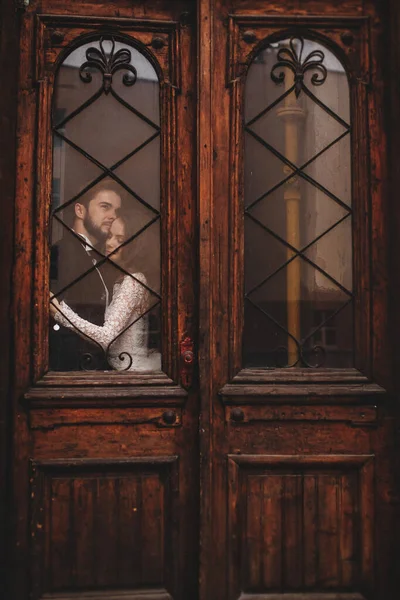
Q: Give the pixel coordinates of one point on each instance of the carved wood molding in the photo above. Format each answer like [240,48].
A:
[246,43]
[311,393]
[49,419]
[355,416]
[55,32]
[112,389]
[342,386]
[115,595]
[313,596]
[111,396]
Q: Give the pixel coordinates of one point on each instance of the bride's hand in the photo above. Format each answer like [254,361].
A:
[54,305]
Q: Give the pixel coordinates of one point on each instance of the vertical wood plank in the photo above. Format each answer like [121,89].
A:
[367,526]
[83,532]
[348,531]
[152,530]
[254,533]
[9,54]
[236,529]
[272,532]
[310,530]
[361,195]
[205,15]
[59,533]
[129,528]
[105,531]
[378,127]
[22,307]
[41,251]
[328,538]
[293,540]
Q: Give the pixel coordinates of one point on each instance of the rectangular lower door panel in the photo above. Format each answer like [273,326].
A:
[102,525]
[300,526]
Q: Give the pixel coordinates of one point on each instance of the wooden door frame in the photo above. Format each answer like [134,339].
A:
[9,57]
[9,53]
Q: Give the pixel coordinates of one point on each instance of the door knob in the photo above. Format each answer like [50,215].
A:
[237,415]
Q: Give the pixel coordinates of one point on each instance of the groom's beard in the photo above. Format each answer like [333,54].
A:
[94,230]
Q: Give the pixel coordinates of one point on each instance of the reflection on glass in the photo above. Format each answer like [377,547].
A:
[298,223]
[105,258]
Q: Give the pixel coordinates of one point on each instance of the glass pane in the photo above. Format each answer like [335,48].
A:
[326,167]
[315,129]
[316,213]
[298,229]
[264,254]
[142,173]
[105,257]
[333,253]
[259,180]
[107,131]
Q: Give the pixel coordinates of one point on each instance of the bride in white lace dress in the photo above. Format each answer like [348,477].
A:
[124,335]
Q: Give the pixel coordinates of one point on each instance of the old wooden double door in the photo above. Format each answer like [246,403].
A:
[247,139]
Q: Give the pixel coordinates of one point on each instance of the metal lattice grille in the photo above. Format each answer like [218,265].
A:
[105,64]
[287,112]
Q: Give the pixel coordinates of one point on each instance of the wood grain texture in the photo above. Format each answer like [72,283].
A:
[305,524]
[301,8]
[71,417]
[341,393]
[9,50]
[302,376]
[205,194]
[89,545]
[148,594]
[22,306]
[362,416]
[77,523]
[316,596]
[319,489]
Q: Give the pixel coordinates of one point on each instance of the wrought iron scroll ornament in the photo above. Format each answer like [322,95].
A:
[292,59]
[312,357]
[90,362]
[108,64]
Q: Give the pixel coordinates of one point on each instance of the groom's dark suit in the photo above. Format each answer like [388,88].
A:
[87,297]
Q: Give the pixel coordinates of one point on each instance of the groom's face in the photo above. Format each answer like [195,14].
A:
[102,210]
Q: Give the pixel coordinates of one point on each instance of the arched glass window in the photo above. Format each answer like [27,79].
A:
[298,209]
[105,222]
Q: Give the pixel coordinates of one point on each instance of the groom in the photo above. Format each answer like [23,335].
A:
[73,256]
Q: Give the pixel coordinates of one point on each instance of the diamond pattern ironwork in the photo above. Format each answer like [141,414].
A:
[291,58]
[108,63]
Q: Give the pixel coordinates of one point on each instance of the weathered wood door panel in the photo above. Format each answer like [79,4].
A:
[299,451]
[107,461]
[242,469]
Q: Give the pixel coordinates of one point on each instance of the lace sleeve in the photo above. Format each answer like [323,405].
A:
[128,298]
